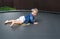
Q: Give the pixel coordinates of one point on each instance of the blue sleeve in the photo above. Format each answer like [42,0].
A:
[32,19]
[26,19]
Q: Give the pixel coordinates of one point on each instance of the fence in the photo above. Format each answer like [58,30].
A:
[49,5]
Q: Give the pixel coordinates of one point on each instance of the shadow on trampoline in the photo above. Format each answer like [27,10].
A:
[15,27]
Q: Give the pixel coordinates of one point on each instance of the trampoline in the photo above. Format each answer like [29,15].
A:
[48,27]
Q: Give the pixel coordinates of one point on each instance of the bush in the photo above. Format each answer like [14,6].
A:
[7,8]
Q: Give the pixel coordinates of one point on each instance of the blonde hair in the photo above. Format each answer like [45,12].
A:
[35,9]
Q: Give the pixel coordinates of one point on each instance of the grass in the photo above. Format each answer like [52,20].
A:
[6,8]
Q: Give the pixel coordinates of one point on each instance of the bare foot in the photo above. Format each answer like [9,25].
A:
[28,24]
[6,21]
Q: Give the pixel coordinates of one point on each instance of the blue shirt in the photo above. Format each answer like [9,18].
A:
[29,19]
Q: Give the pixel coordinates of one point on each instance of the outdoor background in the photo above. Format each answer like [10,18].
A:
[48,5]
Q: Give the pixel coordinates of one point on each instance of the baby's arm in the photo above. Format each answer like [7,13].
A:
[35,20]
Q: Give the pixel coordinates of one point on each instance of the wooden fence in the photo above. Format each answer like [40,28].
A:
[49,5]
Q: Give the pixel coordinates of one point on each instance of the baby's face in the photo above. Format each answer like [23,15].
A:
[34,13]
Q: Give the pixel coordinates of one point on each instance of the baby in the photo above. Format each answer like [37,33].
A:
[30,18]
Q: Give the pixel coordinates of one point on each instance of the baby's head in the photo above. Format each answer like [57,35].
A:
[34,11]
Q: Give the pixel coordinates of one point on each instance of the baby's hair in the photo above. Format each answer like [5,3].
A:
[35,9]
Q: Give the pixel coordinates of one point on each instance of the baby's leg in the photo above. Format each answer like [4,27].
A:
[12,24]
[15,22]
[8,21]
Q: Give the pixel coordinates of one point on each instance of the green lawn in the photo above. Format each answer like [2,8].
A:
[7,8]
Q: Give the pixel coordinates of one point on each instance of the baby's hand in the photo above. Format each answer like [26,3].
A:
[28,24]
[35,22]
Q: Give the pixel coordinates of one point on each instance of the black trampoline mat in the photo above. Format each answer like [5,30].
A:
[48,27]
